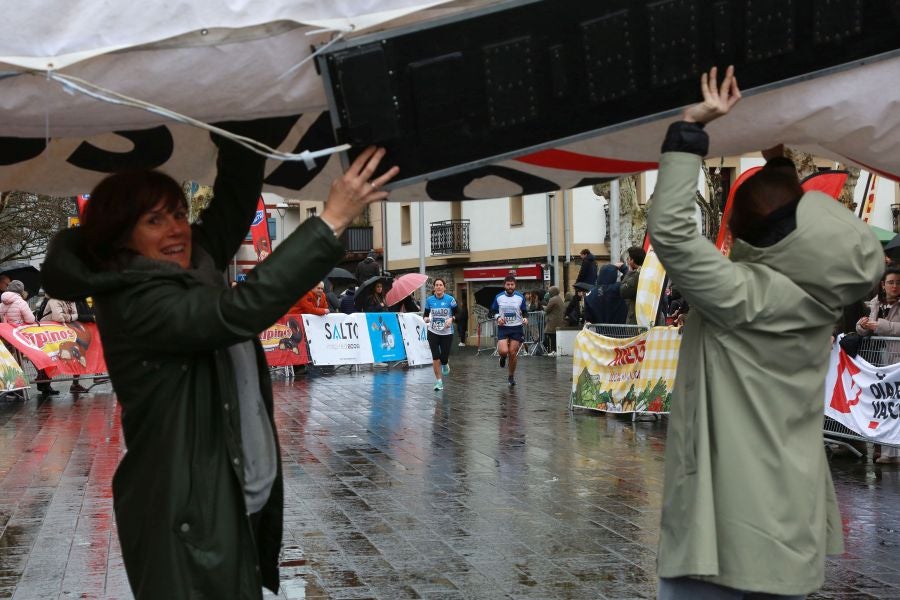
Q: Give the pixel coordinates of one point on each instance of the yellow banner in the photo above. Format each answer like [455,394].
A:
[625,375]
[11,375]
[650,287]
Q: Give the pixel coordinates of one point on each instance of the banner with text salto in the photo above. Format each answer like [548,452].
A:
[338,339]
[385,337]
[415,338]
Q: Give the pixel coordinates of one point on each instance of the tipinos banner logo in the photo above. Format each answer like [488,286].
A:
[72,348]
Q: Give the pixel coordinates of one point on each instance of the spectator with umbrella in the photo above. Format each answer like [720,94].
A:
[399,297]
[370,295]
[29,276]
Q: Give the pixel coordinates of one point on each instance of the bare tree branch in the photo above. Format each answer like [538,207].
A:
[28,222]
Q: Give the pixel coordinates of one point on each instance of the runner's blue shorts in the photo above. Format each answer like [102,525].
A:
[516,332]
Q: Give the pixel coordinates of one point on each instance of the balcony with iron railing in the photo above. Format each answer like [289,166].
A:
[357,239]
[450,237]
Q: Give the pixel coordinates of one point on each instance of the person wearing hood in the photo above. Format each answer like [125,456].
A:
[748,503]
[367,267]
[13,307]
[198,497]
[347,306]
[553,319]
[604,304]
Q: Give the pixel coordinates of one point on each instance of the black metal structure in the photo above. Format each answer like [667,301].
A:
[450,237]
[519,76]
[357,239]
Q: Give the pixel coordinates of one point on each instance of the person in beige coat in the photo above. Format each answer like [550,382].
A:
[748,502]
[553,319]
[62,311]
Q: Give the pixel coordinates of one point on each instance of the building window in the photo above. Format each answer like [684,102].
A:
[273,230]
[516,211]
[310,212]
[406,224]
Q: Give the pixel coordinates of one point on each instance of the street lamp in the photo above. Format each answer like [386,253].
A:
[282,207]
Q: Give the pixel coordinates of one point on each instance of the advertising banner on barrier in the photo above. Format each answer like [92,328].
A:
[415,338]
[863,397]
[59,348]
[625,375]
[285,342]
[338,339]
[12,377]
[385,337]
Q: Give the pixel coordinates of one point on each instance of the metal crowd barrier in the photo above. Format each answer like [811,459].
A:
[487,336]
[616,330]
[878,351]
[534,333]
[87,380]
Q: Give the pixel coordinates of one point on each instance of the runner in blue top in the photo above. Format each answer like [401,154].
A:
[440,312]
[510,308]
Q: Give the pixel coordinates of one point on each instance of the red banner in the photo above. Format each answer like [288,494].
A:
[724,241]
[285,342]
[829,182]
[82,202]
[58,348]
[259,231]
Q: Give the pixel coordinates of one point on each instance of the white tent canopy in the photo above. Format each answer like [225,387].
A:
[234,60]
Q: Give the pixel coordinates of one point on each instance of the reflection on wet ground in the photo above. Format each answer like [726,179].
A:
[393,490]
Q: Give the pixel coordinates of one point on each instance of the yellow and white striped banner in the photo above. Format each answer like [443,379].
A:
[625,375]
[650,285]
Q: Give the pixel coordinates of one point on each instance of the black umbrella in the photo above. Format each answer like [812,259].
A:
[581,285]
[339,275]
[365,289]
[485,296]
[892,249]
[29,276]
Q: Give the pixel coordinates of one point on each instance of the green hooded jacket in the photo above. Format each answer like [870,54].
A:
[178,491]
[748,500]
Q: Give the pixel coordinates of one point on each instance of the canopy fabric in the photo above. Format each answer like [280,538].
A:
[216,61]
[883,235]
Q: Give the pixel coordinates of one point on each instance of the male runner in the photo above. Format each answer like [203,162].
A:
[510,307]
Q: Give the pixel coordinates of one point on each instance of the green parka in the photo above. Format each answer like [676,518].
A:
[178,492]
[748,500]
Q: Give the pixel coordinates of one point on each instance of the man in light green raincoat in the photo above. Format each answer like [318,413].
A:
[749,508]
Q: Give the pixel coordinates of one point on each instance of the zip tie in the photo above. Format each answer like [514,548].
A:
[318,51]
[74,84]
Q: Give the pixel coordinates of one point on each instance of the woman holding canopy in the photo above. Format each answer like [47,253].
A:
[198,495]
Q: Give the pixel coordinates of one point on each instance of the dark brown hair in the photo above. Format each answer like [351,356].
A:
[637,254]
[114,208]
[763,193]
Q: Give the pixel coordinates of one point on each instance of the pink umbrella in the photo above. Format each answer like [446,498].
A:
[404,286]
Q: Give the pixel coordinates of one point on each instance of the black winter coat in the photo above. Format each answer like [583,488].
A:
[178,491]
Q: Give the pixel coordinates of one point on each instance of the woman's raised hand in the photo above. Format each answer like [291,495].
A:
[355,189]
[717,100]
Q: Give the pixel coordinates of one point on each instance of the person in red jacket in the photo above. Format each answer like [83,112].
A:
[313,302]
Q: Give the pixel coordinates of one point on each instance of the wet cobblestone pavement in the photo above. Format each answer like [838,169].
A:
[396,491]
